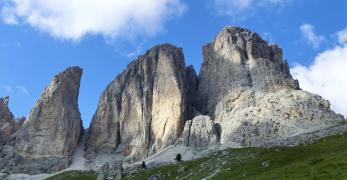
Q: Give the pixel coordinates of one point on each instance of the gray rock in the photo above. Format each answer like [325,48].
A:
[251,118]
[144,109]
[52,131]
[200,133]
[225,153]
[240,58]
[156,177]
[247,89]
[8,125]
[182,170]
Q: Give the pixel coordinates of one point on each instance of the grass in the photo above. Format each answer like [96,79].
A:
[73,175]
[326,159]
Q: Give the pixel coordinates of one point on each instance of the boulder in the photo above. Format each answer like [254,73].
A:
[200,133]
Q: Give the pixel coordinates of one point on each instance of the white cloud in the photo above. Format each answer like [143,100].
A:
[235,8]
[342,36]
[73,19]
[327,76]
[8,89]
[311,37]
[20,90]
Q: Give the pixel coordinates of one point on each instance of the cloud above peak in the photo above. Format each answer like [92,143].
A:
[235,8]
[74,19]
[326,76]
[312,38]
[342,36]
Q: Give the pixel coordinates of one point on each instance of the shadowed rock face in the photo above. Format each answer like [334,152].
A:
[47,139]
[240,58]
[8,125]
[144,109]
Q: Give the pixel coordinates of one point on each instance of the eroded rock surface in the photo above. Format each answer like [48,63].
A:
[145,108]
[8,125]
[240,58]
[52,131]
[247,89]
[244,96]
[251,118]
[200,133]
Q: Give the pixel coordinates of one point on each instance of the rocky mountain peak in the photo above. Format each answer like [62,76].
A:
[52,131]
[8,125]
[238,58]
[144,109]
[244,97]
[5,100]
[251,45]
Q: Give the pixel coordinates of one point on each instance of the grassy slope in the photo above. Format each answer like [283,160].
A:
[73,175]
[326,159]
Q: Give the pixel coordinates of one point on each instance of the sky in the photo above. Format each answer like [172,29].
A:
[40,38]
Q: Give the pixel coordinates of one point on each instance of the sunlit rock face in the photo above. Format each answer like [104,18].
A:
[247,89]
[145,108]
[49,136]
[244,97]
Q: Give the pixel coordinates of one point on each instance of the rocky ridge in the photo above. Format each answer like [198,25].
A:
[239,58]
[244,96]
[144,109]
[247,89]
[8,124]
[46,141]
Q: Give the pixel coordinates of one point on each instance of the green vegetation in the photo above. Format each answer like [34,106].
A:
[73,175]
[178,157]
[326,159]
[143,165]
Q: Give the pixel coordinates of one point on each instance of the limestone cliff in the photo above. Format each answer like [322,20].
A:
[244,96]
[240,58]
[47,139]
[247,89]
[8,125]
[145,108]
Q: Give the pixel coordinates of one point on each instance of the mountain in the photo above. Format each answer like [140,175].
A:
[8,125]
[47,139]
[324,159]
[144,109]
[244,96]
[246,88]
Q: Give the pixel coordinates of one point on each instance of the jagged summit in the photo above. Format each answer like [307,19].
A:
[50,135]
[252,45]
[238,57]
[144,109]
[5,100]
[244,97]
[8,125]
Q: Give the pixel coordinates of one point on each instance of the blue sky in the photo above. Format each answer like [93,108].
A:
[35,47]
